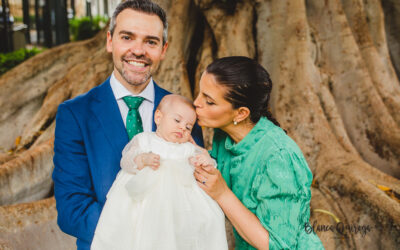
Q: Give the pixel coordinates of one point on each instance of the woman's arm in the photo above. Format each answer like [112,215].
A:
[244,221]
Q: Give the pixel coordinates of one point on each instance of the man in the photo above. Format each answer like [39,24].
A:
[93,129]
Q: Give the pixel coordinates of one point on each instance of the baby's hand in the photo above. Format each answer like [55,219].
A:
[201,160]
[147,160]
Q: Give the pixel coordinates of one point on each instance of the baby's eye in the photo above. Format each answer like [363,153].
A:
[177,120]
[188,128]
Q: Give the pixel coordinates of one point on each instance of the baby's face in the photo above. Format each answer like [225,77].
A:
[175,122]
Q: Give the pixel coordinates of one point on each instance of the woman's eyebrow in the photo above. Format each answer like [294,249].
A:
[204,94]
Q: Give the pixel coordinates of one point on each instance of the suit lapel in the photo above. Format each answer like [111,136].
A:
[105,109]
[159,93]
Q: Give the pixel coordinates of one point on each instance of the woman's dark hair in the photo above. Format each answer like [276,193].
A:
[248,83]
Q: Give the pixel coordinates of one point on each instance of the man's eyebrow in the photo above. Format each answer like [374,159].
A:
[153,38]
[126,32]
[132,34]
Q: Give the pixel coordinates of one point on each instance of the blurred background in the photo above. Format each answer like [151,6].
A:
[335,67]
[27,27]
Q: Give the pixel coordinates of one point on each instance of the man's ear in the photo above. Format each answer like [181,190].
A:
[109,42]
[157,117]
[164,50]
[241,114]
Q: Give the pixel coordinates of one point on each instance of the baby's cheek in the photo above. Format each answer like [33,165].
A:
[186,135]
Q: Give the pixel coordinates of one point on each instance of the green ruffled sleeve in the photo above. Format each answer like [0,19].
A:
[281,189]
[217,142]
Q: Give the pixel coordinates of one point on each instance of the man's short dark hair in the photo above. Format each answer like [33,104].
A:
[145,6]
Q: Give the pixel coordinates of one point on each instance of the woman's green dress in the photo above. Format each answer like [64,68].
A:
[268,173]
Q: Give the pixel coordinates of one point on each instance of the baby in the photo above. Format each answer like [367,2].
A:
[155,202]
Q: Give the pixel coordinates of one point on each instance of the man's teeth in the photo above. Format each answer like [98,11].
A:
[137,64]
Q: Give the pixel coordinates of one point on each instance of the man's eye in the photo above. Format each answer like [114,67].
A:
[125,37]
[151,42]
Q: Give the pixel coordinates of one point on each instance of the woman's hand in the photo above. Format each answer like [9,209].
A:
[210,180]
[245,222]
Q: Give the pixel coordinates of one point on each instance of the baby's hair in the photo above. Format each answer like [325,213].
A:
[168,99]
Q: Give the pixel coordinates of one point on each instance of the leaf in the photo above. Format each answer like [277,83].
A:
[384,188]
[17,141]
[314,183]
[328,213]
[389,191]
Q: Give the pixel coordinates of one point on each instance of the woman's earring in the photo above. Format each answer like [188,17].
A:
[234,122]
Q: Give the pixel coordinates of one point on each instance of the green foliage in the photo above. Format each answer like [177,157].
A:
[19,19]
[86,27]
[12,59]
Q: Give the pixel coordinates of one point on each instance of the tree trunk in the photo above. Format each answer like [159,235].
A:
[335,67]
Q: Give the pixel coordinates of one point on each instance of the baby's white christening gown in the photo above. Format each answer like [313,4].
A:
[159,209]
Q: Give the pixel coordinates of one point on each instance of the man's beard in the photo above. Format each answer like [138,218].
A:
[134,81]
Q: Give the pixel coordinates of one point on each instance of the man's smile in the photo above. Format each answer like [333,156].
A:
[137,65]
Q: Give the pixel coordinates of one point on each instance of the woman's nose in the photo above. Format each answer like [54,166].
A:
[196,101]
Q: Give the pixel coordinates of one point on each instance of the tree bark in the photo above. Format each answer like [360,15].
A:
[392,26]
[335,68]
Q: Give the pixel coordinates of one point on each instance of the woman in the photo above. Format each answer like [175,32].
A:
[262,182]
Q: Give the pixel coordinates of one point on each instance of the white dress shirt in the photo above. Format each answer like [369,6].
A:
[145,109]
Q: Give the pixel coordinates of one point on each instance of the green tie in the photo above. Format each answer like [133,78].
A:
[133,121]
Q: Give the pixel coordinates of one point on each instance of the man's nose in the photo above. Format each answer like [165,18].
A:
[137,48]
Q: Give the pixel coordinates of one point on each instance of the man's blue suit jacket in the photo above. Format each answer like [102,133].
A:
[89,138]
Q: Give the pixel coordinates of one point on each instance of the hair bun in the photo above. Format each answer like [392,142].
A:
[248,84]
